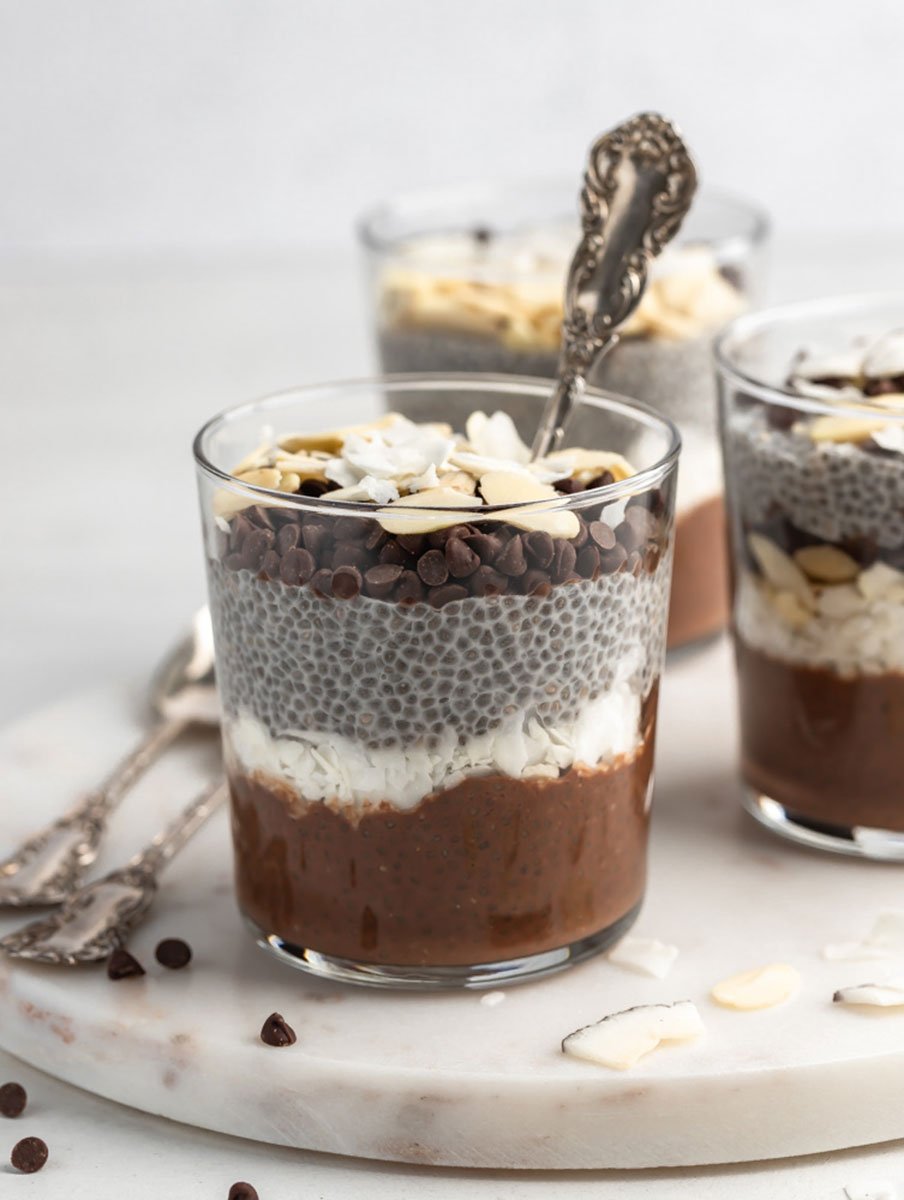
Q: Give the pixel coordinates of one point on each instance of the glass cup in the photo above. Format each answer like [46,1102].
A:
[815,489]
[440,761]
[471,279]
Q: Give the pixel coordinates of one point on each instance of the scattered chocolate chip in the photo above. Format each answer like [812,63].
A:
[487,582]
[540,547]
[612,561]
[432,568]
[511,560]
[322,583]
[29,1155]
[440,596]
[603,535]
[346,583]
[173,953]
[122,965]
[409,589]
[13,1099]
[564,560]
[535,583]
[297,566]
[461,560]
[380,580]
[276,1032]
[242,1191]
[588,562]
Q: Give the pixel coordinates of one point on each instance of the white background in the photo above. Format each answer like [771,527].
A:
[199,124]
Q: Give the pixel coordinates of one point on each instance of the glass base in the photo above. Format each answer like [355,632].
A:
[425,978]
[855,840]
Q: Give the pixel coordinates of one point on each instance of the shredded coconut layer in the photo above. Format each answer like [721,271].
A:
[348,773]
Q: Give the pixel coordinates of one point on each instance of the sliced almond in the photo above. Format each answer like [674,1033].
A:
[330,440]
[428,522]
[227,504]
[827,564]
[892,400]
[460,481]
[289,481]
[763,987]
[308,466]
[587,464]
[889,994]
[844,429]
[790,609]
[505,487]
[623,1038]
[780,569]
[842,601]
[263,477]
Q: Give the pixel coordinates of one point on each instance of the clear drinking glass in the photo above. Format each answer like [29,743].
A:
[471,279]
[815,489]
[440,760]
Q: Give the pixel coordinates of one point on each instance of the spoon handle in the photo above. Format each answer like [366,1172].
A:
[167,844]
[638,185]
[107,795]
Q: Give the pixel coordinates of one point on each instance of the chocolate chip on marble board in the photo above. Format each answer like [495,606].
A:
[29,1155]
[510,560]
[276,1031]
[540,547]
[461,560]
[122,965]
[380,580]
[346,583]
[243,1191]
[297,566]
[409,589]
[486,581]
[173,953]
[432,568]
[13,1099]
[439,597]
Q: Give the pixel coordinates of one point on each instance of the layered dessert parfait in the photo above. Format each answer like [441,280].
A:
[438,665]
[488,297]
[816,487]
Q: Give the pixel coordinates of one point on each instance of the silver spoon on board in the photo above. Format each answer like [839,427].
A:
[97,918]
[638,186]
[46,867]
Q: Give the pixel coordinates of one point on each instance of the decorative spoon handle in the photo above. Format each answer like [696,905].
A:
[638,186]
[167,844]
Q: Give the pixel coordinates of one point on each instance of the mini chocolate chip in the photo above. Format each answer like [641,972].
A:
[582,536]
[122,965]
[409,589]
[234,561]
[381,579]
[351,529]
[314,488]
[29,1155]
[781,417]
[260,517]
[432,568]
[568,487]
[393,553]
[297,566]
[603,535]
[602,480]
[439,537]
[612,561]
[535,583]
[540,547]
[629,535]
[563,561]
[270,566]
[376,538]
[173,953]
[255,546]
[313,535]
[642,520]
[440,596]
[275,1031]
[651,558]
[346,583]
[483,544]
[239,528]
[414,543]
[13,1099]
[322,583]
[511,560]
[487,582]
[588,561]
[653,501]
[880,387]
[348,555]
[634,564]
[287,538]
[242,1191]
[460,558]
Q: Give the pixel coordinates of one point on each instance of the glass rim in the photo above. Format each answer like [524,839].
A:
[598,398]
[415,202]
[741,329]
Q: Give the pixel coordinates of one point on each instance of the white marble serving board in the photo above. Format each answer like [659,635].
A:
[447,1079]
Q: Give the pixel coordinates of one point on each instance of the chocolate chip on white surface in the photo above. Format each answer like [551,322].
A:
[13,1099]
[29,1155]
[276,1031]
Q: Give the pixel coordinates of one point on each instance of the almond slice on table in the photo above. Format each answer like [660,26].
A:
[504,487]
[762,987]
[623,1038]
[780,569]
[826,564]
[429,522]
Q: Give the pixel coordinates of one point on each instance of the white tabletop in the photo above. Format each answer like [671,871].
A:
[107,370]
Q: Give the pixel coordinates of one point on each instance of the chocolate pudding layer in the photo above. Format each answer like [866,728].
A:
[829,749]
[492,869]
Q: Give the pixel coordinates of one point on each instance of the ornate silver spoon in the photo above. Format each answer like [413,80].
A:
[98,917]
[638,186]
[45,868]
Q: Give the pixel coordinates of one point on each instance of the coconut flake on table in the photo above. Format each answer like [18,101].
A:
[872,1189]
[888,994]
[648,956]
[491,999]
[885,940]
[623,1038]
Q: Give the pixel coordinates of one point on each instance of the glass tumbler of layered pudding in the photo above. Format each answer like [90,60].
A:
[473,280]
[438,665]
[813,433]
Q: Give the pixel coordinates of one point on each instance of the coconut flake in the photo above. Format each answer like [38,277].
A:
[871,1189]
[889,994]
[491,999]
[496,437]
[623,1038]
[649,956]
[885,358]
[884,940]
[762,987]
[891,438]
